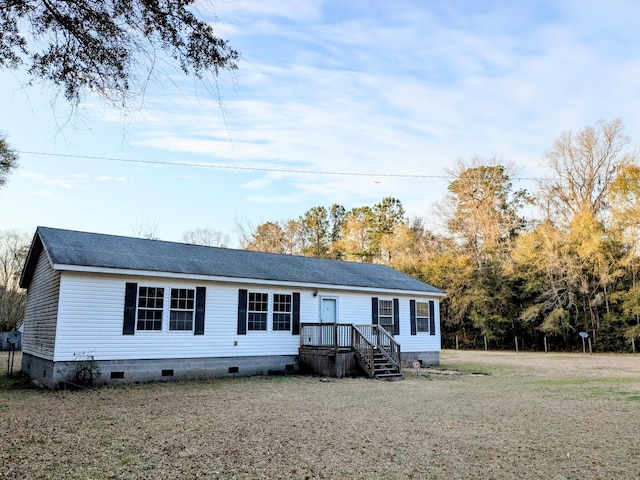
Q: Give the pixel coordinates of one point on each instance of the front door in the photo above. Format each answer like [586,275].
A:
[328,317]
[328,310]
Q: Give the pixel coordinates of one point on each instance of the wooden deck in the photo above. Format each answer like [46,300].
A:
[339,349]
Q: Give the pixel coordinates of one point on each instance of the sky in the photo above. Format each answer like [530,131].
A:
[333,102]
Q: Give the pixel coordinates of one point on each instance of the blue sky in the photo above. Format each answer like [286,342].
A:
[359,87]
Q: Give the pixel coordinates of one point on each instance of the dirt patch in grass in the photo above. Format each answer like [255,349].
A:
[527,416]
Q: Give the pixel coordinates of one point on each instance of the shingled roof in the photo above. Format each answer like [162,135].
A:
[67,249]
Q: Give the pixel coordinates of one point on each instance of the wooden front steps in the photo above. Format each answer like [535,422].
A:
[383,369]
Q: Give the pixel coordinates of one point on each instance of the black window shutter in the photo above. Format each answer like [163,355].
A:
[396,316]
[201,297]
[374,310]
[412,316]
[130,294]
[242,312]
[432,318]
[295,325]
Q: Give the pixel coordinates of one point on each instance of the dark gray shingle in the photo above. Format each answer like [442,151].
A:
[67,247]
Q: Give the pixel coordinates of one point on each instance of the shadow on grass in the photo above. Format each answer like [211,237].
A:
[463,369]
[16,381]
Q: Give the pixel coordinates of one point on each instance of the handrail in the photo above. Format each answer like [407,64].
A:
[388,346]
[365,350]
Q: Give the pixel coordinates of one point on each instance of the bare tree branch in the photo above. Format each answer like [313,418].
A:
[108,47]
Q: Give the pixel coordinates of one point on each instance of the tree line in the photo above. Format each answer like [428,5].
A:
[551,263]
[538,265]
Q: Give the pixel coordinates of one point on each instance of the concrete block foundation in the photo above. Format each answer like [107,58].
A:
[425,358]
[53,374]
[315,361]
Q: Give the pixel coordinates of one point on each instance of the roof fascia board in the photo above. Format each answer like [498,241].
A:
[35,250]
[239,280]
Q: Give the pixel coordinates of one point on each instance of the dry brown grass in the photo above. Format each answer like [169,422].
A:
[523,416]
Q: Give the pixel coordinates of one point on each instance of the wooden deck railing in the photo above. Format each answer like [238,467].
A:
[326,335]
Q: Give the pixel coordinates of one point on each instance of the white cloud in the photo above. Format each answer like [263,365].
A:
[66,181]
[110,179]
[49,195]
[292,10]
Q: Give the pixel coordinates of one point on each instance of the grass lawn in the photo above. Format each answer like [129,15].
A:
[479,415]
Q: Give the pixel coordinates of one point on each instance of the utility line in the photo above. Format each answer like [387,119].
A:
[255,169]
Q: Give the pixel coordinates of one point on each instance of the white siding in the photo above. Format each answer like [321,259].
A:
[41,310]
[353,308]
[91,319]
[422,341]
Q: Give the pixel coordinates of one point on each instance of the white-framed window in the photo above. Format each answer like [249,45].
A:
[181,312]
[422,316]
[257,311]
[385,314]
[150,308]
[146,310]
[281,312]
[268,312]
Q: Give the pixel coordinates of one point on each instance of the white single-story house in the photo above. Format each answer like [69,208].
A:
[142,310]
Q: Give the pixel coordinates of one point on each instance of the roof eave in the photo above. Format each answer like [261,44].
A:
[32,260]
[242,280]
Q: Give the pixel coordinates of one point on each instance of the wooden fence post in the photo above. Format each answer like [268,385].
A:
[456,342]
[516,344]
[546,349]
